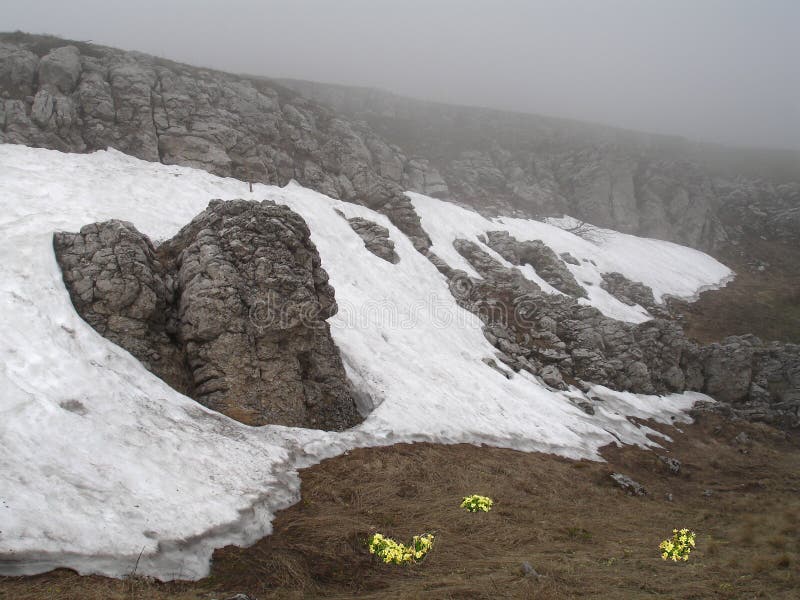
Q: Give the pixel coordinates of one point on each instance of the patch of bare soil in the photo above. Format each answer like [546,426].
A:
[586,538]
[764,299]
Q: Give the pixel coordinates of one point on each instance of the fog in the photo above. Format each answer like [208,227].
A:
[724,71]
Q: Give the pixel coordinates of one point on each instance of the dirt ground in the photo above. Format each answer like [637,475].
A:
[585,537]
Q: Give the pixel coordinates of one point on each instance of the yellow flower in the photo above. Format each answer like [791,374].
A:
[679,547]
[392,552]
[475,503]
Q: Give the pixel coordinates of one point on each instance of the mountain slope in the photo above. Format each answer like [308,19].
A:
[368,146]
[173,480]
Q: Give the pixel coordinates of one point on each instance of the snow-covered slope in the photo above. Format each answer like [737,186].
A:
[100,461]
[667,268]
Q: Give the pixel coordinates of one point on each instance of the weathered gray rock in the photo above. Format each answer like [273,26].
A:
[628,485]
[627,291]
[17,71]
[753,380]
[552,377]
[376,238]
[529,571]
[501,163]
[673,464]
[231,311]
[538,255]
[728,369]
[60,69]
[153,109]
[528,165]
[121,287]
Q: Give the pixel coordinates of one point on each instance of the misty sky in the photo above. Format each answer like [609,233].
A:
[719,70]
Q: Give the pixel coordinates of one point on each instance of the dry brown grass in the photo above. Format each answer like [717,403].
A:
[586,538]
[766,303]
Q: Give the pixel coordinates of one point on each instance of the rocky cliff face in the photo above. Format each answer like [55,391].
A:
[649,185]
[193,309]
[231,311]
[80,97]
[565,342]
[368,146]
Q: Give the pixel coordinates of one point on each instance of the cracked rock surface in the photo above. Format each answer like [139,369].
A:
[565,342]
[231,311]
[78,97]
[368,146]
[376,238]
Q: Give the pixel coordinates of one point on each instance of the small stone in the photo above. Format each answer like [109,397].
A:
[673,463]
[493,364]
[629,485]
[585,406]
[742,438]
[529,571]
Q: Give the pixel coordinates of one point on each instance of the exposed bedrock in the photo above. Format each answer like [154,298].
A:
[538,255]
[376,238]
[231,311]
[517,164]
[563,341]
[627,291]
[367,146]
[81,97]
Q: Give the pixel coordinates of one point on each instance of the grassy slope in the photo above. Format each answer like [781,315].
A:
[765,303]
[586,538]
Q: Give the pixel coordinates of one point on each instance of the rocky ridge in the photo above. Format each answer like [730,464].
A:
[565,342]
[368,146]
[526,165]
[79,97]
[231,311]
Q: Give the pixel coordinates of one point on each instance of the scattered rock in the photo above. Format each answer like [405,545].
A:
[584,405]
[628,485]
[750,379]
[538,255]
[552,377]
[673,464]
[493,364]
[569,259]
[627,291]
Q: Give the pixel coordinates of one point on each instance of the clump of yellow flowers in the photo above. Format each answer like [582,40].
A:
[475,503]
[679,547]
[392,552]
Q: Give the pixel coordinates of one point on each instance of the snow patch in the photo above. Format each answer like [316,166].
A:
[667,268]
[101,461]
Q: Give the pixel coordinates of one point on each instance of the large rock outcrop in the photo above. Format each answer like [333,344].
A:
[565,342]
[367,146]
[526,165]
[79,97]
[537,254]
[231,311]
